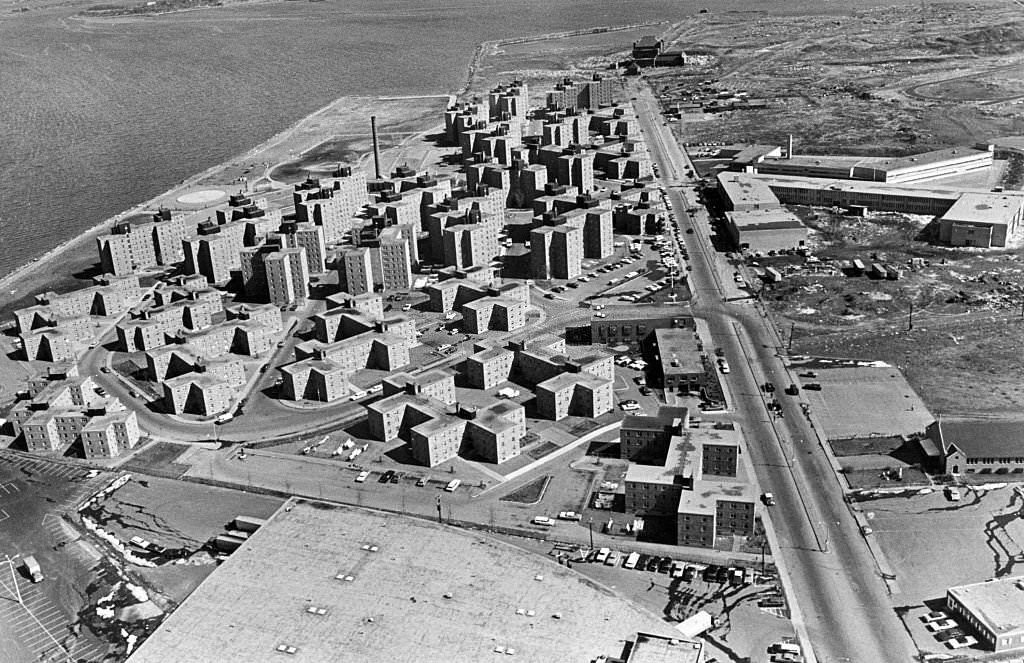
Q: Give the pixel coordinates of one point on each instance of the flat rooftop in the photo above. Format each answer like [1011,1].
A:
[998,604]
[985,208]
[747,190]
[656,649]
[764,219]
[418,591]
[861,186]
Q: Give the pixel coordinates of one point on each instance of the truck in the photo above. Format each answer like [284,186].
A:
[32,568]
[224,418]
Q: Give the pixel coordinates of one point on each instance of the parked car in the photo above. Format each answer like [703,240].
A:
[812,386]
[653,562]
[641,563]
[688,573]
[363,476]
[961,642]
[602,555]
[723,574]
[941,625]
[386,477]
[645,390]
[543,520]
[952,493]
[934,616]
[768,499]
[569,515]
[422,481]
[664,565]
[710,573]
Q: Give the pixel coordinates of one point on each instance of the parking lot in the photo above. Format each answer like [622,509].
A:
[749,616]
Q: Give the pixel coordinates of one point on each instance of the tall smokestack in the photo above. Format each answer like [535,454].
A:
[789,150]
[376,147]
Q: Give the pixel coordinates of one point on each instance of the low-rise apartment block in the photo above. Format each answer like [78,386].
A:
[699,479]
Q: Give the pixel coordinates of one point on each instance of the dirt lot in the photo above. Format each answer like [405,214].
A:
[878,81]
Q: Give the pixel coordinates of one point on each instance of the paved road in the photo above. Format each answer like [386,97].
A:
[833,578]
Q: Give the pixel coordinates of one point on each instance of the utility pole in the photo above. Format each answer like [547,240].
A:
[910,316]
[439,519]
[590,525]
[792,329]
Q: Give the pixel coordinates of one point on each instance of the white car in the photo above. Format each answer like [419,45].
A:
[941,625]
[629,407]
[363,476]
[962,641]
[723,365]
[637,365]
[953,493]
[543,520]
[600,315]
[602,555]
[569,515]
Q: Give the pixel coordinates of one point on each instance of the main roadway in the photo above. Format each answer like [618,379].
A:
[838,588]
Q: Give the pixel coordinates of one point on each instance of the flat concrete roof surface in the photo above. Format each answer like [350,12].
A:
[999,604]
[994,208]
[764,219]
[418,591]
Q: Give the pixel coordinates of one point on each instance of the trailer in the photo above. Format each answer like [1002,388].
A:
[772,275]
[858,266]
[877,270]
[32,568]
[892,272]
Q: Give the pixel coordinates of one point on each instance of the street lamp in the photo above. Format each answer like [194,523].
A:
[590,525]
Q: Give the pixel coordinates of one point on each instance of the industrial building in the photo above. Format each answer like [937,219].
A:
[335,585]
[678,351]
[766,230]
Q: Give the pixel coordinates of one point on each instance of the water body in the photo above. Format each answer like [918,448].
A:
[96,116]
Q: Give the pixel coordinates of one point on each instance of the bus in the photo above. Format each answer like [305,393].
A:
[453,485]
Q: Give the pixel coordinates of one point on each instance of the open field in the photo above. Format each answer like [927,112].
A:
[892,80]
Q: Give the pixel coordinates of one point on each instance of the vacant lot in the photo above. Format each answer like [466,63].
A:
[881,81]
[959,364]
[919,535]
[864,401]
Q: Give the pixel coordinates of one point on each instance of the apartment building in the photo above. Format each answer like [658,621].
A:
[320,380]
[556,252]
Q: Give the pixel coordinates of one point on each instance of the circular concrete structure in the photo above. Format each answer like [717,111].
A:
[203,198]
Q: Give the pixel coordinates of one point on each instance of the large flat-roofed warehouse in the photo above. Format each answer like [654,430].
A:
[743,193]
[331,583]
[994,610]
[981,219]
[765,230]
[891,170]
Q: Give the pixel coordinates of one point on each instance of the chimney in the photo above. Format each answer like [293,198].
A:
[376,147]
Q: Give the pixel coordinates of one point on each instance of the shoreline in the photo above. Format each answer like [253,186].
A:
[27,270]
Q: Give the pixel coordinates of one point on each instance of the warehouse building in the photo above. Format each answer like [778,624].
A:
[766,230]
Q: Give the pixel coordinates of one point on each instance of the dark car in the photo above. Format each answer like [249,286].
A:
[949,634]
[689,573]
[641,563]
[710,573]
[645,390]
[736,577]
[652,563]
[573,284]
[664,565]
[792,390]
[386,477]
[812,386]
[722,575]
[394,477]
[769,387]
